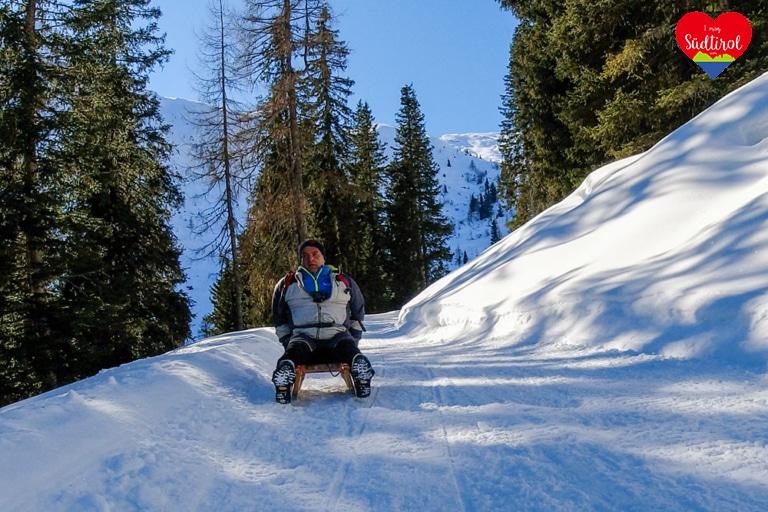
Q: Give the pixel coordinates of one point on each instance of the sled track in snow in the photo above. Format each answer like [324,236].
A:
[440,402]
[357,424]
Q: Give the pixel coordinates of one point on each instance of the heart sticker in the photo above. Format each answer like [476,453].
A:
[713,44]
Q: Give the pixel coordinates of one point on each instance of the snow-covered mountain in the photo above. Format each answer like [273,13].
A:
[609,355]
[466,162]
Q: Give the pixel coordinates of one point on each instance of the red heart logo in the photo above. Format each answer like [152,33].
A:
[713,44]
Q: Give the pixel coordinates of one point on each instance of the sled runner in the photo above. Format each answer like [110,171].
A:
[332,368]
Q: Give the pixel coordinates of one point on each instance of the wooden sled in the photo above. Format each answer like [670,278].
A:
[332,368]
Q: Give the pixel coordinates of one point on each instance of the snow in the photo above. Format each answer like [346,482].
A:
[608,355]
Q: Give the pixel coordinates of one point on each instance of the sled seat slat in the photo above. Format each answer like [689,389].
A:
[333,368]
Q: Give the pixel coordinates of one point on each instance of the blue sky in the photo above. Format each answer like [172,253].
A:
[454,52]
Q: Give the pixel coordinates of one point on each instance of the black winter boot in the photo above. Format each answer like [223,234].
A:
[362,372]
[283,378]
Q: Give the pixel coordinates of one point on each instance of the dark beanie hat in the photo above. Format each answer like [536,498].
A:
[311,243]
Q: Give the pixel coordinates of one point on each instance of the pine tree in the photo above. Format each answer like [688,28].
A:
[417,227]
[28,202]
[123,261]
[224,317]
[276,35]
[533,140]
[268,248]
[366,163]
[591,82]
[495,233]
[329,190]
[93,266]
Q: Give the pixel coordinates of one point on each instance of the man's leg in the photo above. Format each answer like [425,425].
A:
[343,348]
[360,367]
[298,350]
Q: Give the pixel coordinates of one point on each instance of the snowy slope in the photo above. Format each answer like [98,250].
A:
[608,355]
[465,161]
[673,243]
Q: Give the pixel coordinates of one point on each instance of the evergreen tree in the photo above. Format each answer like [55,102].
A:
[366,165]
[457,257]
[486,202]
[417,228]
[93,262]
[591,82]
[493,194]
[275,36]
[474,207]
[301,142]
[278,45]
[224,317]
[123,261]
[268,248]
[28,201]
[329,190]
[533,140]
[495,233]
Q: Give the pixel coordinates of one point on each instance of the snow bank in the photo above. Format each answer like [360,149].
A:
[663,253]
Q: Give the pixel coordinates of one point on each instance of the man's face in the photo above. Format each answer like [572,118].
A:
[312,259]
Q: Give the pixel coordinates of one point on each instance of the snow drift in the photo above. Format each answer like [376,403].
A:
[665,252]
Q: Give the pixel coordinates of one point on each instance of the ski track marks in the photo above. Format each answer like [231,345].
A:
[343,481]
[379,462]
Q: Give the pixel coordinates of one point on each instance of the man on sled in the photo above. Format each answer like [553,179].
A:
[318,314]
